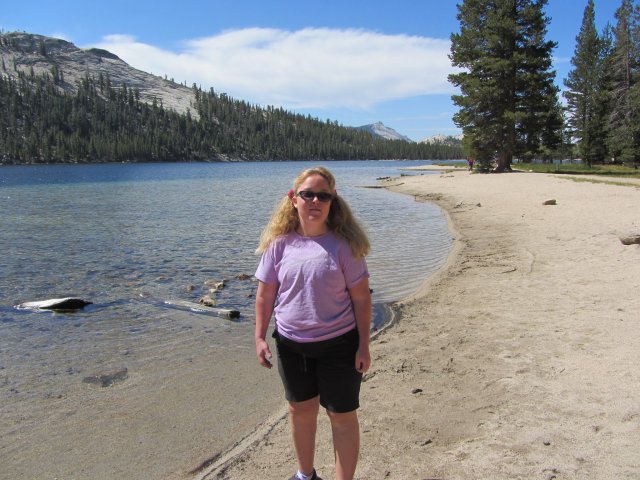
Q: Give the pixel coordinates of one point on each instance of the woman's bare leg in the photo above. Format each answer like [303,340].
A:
[346,443]
[303,417]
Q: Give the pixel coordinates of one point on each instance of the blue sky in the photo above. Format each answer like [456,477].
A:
[351,61]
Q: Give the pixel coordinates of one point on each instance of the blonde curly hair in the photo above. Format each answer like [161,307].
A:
[340,220]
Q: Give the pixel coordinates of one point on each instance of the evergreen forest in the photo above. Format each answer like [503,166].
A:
[102,122]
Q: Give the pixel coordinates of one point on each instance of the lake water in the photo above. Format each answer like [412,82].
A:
[131,237]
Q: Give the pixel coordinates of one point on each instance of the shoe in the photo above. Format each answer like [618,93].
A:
[313,477]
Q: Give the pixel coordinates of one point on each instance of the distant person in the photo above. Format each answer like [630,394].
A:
[314,277]
[470,163]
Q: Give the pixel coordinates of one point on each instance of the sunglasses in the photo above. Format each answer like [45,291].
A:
[309,195]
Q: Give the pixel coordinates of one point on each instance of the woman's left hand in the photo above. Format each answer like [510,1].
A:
[363,360]
[361,300]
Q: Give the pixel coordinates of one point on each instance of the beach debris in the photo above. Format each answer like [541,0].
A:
[550,202]
[66,303]
[462,204]
[403,367]
[198,308]
[552,473]
[630,239]
[416,390]
[449,368]
[107,379]
[511,270]
[428,197]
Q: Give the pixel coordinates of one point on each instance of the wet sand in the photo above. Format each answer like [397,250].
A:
[517,360]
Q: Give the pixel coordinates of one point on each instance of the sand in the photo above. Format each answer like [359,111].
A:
[517,360]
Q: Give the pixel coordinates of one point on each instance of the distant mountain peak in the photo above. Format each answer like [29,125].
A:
[451,140]
[379,129]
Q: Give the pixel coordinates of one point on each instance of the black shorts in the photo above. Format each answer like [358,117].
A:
[326,368]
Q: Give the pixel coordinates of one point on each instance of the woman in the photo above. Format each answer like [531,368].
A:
[314,277]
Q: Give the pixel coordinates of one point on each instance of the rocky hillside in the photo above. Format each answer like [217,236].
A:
[37,54]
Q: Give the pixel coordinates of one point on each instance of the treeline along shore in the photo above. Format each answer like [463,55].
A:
[61,104]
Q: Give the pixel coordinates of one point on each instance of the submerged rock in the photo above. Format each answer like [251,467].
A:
[67,303]
[107,379]
[208,300]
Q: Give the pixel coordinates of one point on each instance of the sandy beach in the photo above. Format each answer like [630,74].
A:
[517,360]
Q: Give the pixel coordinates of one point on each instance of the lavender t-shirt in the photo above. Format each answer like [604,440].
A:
[314,275]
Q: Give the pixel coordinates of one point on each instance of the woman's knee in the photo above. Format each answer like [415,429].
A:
[343,419]
[305,408]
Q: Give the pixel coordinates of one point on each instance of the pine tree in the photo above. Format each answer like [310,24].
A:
[508,102]
[585,84]
[624,121]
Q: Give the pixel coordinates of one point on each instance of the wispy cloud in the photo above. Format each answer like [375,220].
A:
[308,68]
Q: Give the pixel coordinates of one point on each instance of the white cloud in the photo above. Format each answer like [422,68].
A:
[309,68]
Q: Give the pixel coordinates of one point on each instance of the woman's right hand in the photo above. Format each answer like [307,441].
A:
[265,299]
[263,353]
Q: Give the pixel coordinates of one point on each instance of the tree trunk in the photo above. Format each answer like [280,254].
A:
[504,162]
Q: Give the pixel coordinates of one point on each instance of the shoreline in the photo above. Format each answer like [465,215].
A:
[224,465]
[516,359]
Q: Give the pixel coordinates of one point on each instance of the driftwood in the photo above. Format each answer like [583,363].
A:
[67,303]
[198,308]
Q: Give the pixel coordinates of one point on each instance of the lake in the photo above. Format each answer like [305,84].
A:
[129,238]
